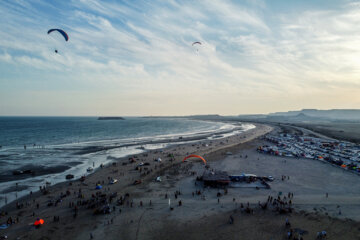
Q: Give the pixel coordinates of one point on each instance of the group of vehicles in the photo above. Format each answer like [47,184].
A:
[344,154]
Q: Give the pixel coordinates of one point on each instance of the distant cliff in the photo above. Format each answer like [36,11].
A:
[111,118]
[340,114]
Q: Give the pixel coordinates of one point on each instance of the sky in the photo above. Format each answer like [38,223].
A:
[135,58]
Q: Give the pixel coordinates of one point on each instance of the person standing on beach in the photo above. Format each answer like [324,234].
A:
[231,219]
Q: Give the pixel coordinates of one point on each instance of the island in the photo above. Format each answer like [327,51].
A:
[111,118]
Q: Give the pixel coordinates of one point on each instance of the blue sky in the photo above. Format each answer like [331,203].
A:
[136,58]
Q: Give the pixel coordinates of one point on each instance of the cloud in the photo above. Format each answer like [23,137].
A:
[248,53]
[234,15]
[6,58]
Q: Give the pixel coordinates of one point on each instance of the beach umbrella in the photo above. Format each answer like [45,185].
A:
[38,222]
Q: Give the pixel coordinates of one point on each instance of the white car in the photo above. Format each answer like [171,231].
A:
[113,181]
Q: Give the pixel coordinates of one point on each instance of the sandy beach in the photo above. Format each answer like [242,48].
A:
[179,120]
[142,211]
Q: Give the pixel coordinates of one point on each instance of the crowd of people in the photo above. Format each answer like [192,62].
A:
[105,201]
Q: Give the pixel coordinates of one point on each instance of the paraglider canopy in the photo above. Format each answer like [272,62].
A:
[195,45]
[62,32]
[195,156]
[38,222]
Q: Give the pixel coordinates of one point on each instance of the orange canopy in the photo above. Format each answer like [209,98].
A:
[195,156]
[39,222]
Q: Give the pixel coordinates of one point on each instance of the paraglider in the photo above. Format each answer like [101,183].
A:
[195,156]
[62,32]
[196,44]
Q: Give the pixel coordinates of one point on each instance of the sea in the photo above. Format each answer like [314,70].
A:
[53,147]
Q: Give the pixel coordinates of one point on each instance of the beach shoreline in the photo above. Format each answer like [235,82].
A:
[144,212]
[102,152]
[171,143]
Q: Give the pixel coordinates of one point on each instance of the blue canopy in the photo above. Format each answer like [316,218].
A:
[62,32]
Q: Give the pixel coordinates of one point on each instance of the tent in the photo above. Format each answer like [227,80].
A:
[98,186]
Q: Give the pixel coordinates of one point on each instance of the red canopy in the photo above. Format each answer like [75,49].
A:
[195,156]
[38,222]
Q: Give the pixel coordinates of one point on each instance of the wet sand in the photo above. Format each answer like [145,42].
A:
[36,170]
[197,218]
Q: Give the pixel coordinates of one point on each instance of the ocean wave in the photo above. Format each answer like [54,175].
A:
[75,158]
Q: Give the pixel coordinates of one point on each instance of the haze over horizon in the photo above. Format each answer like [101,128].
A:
[136,58]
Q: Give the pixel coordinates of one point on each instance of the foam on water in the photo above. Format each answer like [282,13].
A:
[94,150]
